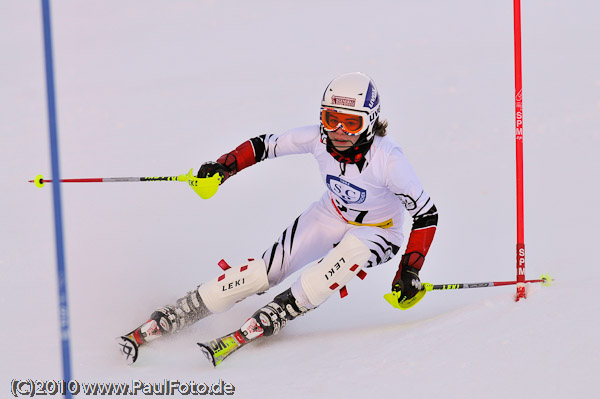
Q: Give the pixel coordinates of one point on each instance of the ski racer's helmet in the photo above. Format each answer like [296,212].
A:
[350,101]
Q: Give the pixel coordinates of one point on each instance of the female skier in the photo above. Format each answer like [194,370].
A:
[356,224]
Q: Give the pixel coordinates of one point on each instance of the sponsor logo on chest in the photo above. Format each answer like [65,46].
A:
[346,191]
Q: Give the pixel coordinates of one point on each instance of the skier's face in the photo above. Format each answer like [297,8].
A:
[342,141]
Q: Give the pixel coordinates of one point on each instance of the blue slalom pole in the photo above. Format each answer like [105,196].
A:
[58,225]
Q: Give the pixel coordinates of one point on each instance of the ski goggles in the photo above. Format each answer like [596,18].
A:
[352,123]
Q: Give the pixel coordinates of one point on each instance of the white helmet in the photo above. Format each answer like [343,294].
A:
[352,93]
[350,101]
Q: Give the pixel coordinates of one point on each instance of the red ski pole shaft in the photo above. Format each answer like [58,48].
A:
[205,187]
[40,181]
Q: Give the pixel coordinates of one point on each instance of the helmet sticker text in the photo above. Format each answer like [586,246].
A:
[371,99]
[347,101]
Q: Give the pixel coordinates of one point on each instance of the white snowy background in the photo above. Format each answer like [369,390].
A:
[154,88]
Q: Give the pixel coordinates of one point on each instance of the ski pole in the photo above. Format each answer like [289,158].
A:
[205,187]
[393,297]
[545,280]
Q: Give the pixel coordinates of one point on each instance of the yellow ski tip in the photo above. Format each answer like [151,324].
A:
[205,187]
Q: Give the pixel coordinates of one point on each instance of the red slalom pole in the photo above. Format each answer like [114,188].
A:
[521,294]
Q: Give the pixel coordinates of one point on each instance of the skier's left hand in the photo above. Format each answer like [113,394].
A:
[406,289]
[408,283]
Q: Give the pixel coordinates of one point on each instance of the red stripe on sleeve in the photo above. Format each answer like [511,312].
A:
[420,240]
[238,159]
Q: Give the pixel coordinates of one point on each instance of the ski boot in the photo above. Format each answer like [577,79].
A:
[163,321]
[267,321]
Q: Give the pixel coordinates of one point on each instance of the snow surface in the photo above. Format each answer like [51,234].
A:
[153,88]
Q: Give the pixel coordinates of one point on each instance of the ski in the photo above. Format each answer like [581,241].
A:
[129,344]
[219,349]
[128,348]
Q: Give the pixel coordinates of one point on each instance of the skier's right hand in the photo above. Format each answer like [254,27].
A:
[208,169]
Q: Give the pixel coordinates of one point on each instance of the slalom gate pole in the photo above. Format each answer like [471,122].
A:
[544,280]
[521,294]
[58,225]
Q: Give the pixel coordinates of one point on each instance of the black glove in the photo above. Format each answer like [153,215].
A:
[210,168]
[408,283]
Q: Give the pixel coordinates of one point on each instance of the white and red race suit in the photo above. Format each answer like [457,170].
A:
[369,199]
